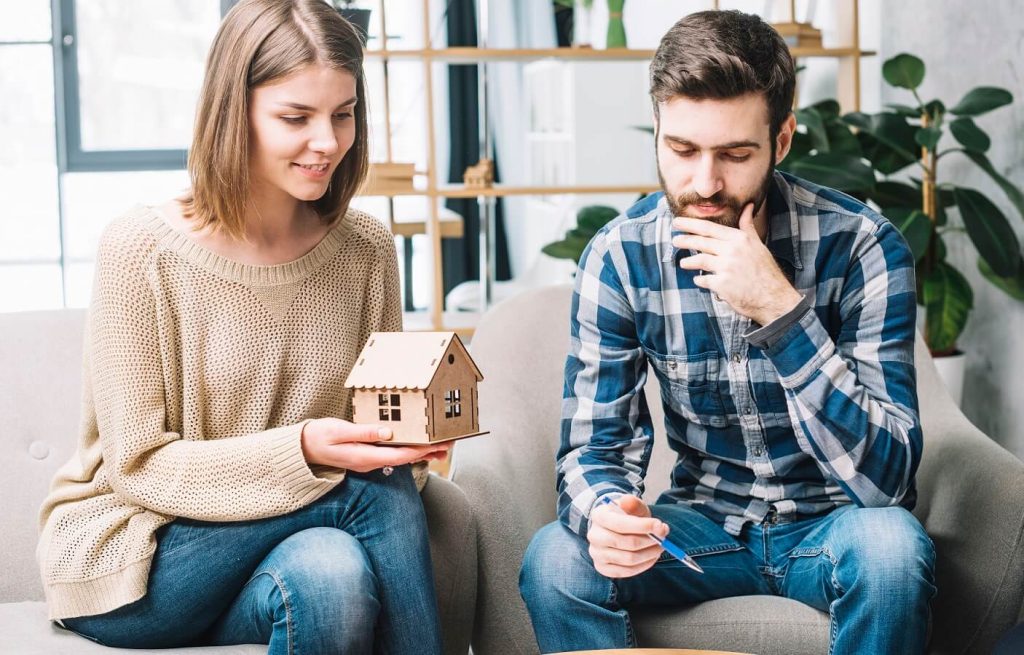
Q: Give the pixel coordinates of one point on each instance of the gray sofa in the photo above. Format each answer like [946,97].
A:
[40,378]
[971,503]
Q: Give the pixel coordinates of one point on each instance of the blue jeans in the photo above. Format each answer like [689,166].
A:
[349,573]
[870,569]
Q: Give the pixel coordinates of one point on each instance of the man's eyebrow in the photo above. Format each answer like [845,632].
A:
[302,107]
[732,145]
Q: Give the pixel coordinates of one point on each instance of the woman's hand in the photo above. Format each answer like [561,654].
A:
[340,444]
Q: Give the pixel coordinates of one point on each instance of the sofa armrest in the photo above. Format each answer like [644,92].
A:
[452,529]
[971,502]
[502,625]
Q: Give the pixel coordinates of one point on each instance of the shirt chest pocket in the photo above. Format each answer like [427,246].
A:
[689,386]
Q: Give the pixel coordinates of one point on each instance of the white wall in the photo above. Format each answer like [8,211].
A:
[963,45]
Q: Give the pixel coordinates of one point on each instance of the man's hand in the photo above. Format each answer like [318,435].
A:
[737,266]
[619,544]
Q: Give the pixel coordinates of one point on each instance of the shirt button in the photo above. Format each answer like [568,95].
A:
[758,451]
[748,410]
[672,366]
[736,358]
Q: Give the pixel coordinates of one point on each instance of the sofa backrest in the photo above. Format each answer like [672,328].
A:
[40,399]
[970,490]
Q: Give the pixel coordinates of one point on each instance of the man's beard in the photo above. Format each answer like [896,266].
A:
[732,206]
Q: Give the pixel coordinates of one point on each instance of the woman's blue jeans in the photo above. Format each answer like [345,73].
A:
[349,573]
[870,569]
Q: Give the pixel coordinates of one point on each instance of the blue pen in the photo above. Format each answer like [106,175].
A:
[670,548]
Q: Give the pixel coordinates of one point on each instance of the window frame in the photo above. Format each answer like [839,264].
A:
[71,158]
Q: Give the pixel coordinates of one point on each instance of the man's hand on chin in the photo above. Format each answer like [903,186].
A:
[737,266]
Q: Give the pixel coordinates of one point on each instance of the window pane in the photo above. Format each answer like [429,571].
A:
[29,223]
[24,20]
[396,400]
[79,283]
[384,415]
[141,61]
[92,200]
[26,287]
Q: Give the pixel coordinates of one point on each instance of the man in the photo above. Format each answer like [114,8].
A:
[778,317]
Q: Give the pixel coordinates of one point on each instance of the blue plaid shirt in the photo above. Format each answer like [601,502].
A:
[790,420]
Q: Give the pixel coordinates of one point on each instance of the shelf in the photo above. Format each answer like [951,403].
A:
[462,323]
[451,225]
[459,191]
[473,55]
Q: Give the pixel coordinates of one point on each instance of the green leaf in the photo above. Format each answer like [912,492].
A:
[935,109]
[1008,187]
[989,230]
[928,137]
[841,172]
[887,140]
[969,135]
[904,70]
[594,217]
[948,300]
[1013,285]
[896,194]
[914,226]
[811,119]
[841,139]
[562,250]
[827,109]
[982,99]
[905,110]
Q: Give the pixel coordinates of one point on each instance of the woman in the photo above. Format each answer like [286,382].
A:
[217,495]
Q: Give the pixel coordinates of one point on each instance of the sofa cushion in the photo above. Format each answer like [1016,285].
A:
[758,624]
[25,630]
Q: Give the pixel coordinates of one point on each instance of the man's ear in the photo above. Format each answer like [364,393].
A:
[784,139]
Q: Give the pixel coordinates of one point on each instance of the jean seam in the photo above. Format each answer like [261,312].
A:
[833,627]
[613,599]
[191,542]
[287,608]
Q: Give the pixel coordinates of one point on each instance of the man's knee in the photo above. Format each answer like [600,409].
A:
[887,551]
[556,567]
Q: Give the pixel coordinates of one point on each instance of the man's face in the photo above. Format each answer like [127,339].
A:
[715,156]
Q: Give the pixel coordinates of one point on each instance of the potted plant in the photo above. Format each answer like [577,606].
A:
[860,153]
[589,220]
[360,18]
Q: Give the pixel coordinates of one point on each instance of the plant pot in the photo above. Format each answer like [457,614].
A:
[582,21]
[951,371]
[360,18]
[616,30]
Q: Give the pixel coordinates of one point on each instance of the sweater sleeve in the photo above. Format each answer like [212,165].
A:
[231,479]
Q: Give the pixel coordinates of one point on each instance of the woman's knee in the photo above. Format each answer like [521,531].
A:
[324,570]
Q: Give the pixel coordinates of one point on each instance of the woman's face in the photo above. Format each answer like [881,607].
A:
[300,128]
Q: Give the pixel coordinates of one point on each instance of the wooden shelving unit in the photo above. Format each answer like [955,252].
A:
[437,227]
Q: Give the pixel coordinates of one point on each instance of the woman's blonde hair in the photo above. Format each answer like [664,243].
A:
[258,42]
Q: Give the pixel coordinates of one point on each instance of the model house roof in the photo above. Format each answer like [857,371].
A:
[404,360]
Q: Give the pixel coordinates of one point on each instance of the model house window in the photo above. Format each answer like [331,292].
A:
[452,404]
[389,406]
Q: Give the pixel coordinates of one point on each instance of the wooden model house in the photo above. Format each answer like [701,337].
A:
[420,384]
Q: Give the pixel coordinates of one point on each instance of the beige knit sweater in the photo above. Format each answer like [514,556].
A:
[198,375]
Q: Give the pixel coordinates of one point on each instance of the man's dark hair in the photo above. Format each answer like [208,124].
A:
[721,55]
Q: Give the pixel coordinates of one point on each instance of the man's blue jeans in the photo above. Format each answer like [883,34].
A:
[350,573]
[870,569]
